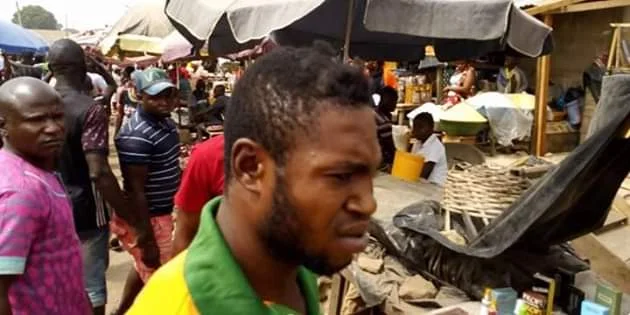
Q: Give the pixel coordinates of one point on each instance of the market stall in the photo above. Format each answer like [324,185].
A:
[494,228]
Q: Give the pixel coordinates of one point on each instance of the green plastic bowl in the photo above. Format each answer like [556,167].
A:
[459,128]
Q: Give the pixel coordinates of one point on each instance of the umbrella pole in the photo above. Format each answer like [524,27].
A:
[349,18]
[179,103]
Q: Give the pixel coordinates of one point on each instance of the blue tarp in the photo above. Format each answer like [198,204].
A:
[15,39]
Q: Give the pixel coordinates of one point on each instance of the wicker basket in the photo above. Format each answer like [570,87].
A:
[482,191]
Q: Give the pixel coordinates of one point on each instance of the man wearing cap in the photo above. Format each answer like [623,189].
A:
[148,150]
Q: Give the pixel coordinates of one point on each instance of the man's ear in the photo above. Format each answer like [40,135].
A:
[249,162]
[3,130]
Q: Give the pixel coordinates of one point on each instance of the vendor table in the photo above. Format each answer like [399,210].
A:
[392,195]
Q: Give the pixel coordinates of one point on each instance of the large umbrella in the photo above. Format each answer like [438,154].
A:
[264,47]
[15,39]
[177,47]
[374,29]
[140,31]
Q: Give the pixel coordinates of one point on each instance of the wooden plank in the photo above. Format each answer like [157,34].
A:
[613,49]
[550,6]
[614,220]
[603,262]
[620,204]
[337,293]
[590,6]
[542,72]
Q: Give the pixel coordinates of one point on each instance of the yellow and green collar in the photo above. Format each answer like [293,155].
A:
[216,282]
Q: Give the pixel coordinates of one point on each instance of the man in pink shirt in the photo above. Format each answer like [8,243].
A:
[40,254]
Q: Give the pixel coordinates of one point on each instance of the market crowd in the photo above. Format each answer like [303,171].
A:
[284,194]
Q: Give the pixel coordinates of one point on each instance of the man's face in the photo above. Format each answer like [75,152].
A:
[35,129]
[422,131]
[321,201]
[161,104]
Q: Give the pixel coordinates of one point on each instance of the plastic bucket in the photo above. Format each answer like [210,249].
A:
[407,166]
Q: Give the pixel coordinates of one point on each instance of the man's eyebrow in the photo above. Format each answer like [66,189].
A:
[353,166]
[34,115]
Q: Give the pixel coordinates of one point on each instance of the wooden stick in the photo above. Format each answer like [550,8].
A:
[543,69]
[611,53]
[551,5]
[590,6]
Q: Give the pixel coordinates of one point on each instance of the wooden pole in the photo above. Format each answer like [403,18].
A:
[179,100]
[438,84]
[543,69]
[613,49]
[349,20]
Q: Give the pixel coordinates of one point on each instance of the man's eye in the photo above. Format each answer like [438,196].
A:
[344,177]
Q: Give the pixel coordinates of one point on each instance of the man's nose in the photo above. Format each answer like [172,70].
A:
[363,201]
[54,126]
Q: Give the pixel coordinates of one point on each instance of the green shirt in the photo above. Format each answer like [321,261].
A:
[206,279]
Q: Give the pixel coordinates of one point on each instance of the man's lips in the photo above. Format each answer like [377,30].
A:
[353,244]
[356,229]
[354,237]
[53,143]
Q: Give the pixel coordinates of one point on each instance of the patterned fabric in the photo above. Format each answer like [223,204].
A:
[38,242]
[95,130]
[163,231]
[147,140]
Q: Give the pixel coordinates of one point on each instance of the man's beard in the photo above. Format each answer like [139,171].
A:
[281,233]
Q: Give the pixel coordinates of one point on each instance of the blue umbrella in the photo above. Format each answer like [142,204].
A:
[15,39]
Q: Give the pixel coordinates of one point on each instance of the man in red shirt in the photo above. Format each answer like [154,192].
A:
[202,180]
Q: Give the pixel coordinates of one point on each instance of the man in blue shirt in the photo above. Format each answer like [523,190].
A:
[148,150]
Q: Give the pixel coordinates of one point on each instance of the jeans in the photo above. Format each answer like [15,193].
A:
[95,251]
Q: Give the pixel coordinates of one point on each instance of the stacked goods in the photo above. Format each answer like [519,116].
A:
[462,120]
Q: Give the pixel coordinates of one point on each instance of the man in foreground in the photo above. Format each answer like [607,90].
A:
[148,150]
[300,154]
[40,253]
[84,167]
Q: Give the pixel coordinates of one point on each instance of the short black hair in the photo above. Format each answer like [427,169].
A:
[200,85]
[423,118]
[128,71]
[388,91]
[65,56]
[281,95]
[220,89]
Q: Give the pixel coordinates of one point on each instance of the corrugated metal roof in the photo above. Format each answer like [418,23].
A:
[50,36]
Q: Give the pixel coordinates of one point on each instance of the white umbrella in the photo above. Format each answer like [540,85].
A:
[379,29]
